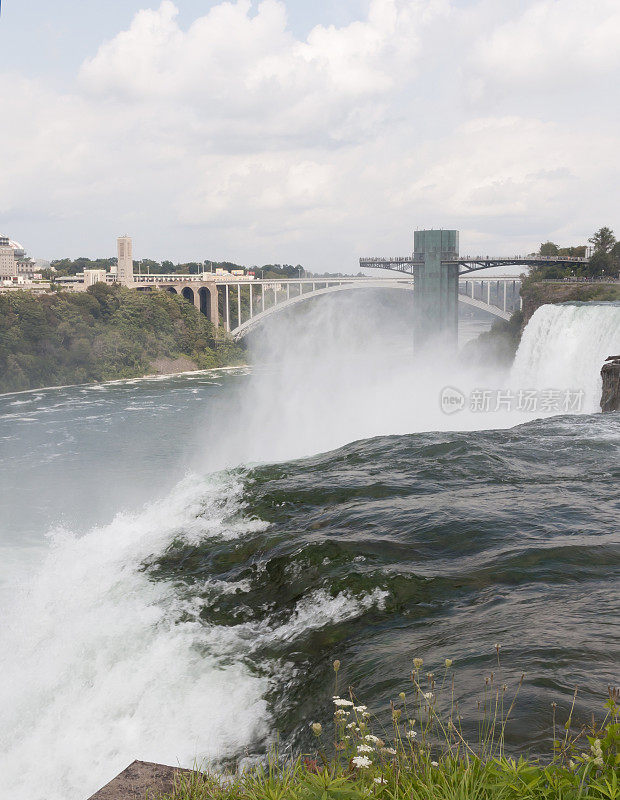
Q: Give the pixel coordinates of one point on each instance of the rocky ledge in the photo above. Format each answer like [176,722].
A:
[610,397]
[140,780]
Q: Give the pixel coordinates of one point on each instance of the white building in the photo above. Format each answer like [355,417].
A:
[8,262]
[125,261]
[93,276]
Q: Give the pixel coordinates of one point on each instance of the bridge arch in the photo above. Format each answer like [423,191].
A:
[249,325]
[188,294]
[490,309]
[242,330]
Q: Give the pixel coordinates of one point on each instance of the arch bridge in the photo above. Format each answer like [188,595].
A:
[242,304]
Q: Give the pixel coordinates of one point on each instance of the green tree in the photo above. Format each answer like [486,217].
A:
[603,240]
[599,264]
[549,249]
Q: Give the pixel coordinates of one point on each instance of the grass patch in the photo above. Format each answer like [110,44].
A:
[423,755]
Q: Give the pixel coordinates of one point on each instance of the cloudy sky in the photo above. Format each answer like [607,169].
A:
[291,131]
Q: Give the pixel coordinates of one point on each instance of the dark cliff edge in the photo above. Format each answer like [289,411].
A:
[610,396]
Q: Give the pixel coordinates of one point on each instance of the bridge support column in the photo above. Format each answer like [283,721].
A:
[238,304]
[504,304]
[251,302]
[227,309]
[213,307]
[436,287]
[262,296]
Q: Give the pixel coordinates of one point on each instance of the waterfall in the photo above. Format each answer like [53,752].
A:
[564,346]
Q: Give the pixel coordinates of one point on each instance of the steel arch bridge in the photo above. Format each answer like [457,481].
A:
[497,295]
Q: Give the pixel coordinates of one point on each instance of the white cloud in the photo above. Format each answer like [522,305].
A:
[552,45]
[234,139]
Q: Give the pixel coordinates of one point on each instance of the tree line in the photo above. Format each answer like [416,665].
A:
[605,258]
[104,333]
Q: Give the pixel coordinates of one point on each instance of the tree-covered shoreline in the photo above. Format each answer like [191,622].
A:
[105,333]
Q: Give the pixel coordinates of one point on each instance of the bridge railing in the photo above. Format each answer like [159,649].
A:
[476,259]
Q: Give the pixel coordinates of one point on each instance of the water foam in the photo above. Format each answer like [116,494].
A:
[97,668]
[101,664]
[564,346]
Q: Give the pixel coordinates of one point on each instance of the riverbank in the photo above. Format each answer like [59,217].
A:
[106,333]
[213,372]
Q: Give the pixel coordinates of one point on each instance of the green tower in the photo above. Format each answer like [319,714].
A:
[436,286]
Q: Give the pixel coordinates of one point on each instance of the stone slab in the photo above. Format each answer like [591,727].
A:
[139,778]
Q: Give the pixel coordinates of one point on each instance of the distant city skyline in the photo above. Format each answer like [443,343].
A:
[288,132]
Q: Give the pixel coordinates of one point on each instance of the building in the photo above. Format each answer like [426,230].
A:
[14,261]
[8,262]
[125,260]
[93,276]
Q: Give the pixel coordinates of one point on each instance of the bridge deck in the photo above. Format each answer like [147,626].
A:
[409,264]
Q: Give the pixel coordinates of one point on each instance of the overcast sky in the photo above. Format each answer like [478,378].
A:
[306,132]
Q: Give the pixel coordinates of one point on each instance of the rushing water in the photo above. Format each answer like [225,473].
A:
[183,558]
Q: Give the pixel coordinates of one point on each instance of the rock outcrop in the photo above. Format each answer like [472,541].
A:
[610,396]
[141,779]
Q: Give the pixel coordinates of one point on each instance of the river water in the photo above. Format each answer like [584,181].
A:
[183,558]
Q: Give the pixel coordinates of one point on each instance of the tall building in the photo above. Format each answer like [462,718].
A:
[8,262]
[125,261]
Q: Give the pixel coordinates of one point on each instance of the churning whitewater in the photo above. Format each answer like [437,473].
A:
[183,558]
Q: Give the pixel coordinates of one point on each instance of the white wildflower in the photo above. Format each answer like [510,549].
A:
[352,726]
[364,748]
[571,764]
[389,751]
[599,762]
[338,701]
[448,662]
[361,762]
[359,709]
[434,763]
[370,738]
[429,697]
[411,734]
[317,728]
[380,781]
[417,662]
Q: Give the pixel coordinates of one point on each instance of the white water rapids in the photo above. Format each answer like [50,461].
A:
[95,668]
